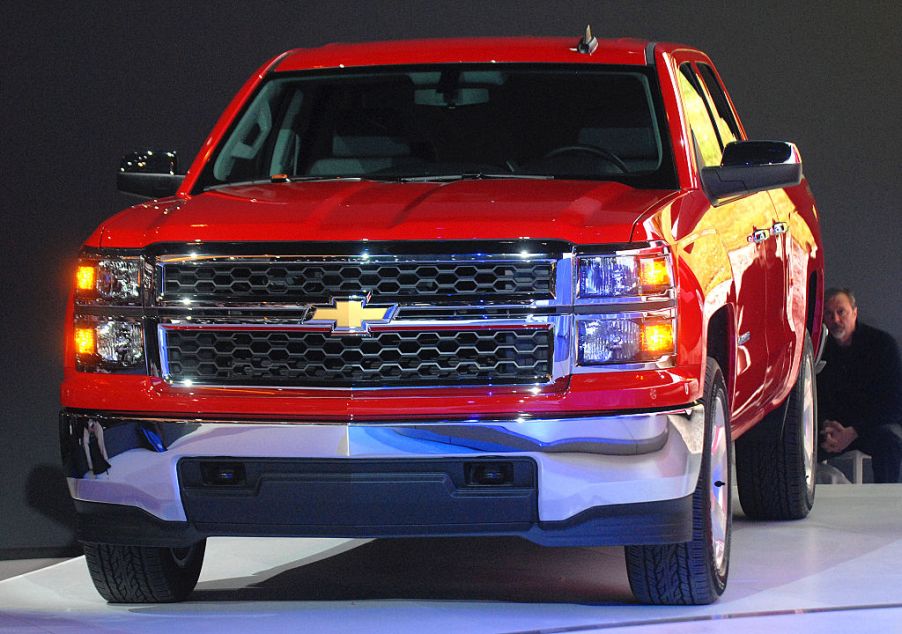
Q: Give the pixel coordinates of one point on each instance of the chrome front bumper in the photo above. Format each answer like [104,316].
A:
[582,463]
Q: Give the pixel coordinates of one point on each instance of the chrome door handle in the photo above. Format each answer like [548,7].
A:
[759,235]
[779,229]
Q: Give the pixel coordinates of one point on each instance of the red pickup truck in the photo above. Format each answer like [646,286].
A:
[472,287]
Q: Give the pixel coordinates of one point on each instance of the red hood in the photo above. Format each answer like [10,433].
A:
[576,211]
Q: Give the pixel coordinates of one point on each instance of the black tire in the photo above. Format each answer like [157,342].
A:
[776,464]
[144,574]
[694,572]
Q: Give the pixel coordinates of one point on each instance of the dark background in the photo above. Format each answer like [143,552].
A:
[81,83]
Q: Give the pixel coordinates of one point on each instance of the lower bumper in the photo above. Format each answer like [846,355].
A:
[585,480]
[664,522]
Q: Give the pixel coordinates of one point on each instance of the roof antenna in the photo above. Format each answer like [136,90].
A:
[588,43]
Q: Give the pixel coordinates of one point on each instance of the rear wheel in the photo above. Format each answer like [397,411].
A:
[144,574]
[695,572]
[776,459]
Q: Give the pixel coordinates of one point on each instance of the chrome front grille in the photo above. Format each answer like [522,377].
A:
[298,358]
[448,314]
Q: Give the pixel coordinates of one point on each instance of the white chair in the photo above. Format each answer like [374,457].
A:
[854,459]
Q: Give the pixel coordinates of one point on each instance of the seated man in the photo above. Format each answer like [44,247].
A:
[859,391]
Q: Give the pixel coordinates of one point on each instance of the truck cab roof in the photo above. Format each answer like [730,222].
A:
[624,51]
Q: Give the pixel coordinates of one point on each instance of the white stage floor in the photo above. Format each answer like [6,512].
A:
[838,571]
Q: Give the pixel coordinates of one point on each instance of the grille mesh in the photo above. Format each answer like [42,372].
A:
[316,282]
[396,358]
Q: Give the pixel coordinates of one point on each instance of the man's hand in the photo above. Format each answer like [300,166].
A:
[837,437]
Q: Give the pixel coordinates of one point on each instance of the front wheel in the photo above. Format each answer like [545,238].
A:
[695,572]
[144,574]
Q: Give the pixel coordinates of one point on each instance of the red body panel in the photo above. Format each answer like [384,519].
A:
[457,51]
[583,393]
[580,212]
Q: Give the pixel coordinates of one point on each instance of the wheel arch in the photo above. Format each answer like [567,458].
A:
[814,302]
[719,344]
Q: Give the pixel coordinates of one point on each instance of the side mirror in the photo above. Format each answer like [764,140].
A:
[149,174]
[753,166]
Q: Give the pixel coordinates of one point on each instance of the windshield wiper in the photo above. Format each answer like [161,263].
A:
[444,178]
[292,179]
[441,178]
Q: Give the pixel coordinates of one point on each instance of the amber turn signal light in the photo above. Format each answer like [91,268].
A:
[84,341]
[654,273]
[84,278]
[657,338]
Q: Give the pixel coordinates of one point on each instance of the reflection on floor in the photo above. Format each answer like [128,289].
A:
[839,571]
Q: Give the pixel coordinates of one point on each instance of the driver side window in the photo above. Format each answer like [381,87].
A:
[726,121]
[708,146]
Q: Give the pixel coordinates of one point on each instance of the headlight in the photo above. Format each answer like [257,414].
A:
[641,275]
[113,280]
[626,274]
[108,330]
[621,339]
[105,345]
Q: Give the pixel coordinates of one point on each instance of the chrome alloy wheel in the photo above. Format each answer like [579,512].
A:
[719,484]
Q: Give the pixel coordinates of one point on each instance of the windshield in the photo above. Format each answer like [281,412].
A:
[479,121]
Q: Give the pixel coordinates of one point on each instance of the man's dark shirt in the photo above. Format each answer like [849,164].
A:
[861,384]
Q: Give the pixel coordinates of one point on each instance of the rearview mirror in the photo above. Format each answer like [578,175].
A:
[149,174]
[753,166]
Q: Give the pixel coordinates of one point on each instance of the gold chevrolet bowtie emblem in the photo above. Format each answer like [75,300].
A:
[352,315]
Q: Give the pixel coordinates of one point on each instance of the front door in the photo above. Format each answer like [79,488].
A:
[745,228]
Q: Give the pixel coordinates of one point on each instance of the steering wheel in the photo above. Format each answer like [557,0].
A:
[601,153]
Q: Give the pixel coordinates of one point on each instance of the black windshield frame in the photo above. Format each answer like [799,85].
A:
[663,177]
